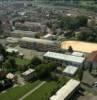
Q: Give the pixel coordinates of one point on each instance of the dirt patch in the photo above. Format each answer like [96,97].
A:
[79,46]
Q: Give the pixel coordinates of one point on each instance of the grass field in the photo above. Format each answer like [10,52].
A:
[22,61]
[15,93]
[45,91]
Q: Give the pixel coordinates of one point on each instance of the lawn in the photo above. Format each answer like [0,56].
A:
[15,93]
[45,91]
[20,61]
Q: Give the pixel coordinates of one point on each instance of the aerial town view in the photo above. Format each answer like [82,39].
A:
[48,49]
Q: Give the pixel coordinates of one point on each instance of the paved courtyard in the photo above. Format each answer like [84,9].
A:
[88,96]
[28,53]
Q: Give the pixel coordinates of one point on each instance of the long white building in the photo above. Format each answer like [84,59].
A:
[64,58]
[66,91]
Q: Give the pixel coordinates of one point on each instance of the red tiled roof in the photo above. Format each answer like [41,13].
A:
[92,56]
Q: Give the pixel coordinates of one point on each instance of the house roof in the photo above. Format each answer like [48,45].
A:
[92,56]
[10,76]
[29,71]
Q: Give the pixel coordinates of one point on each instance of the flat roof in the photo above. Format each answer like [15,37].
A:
[34,40]
[23,32]
[64,57]
[10,50]
[29,71]
[79,54]
[70,70]
[10,76]
[47,35]
[66,90]
[79,46]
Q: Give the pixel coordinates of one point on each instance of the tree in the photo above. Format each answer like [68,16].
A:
[35,61]
[90,67]
[3,51]
[10,65]
[72,23]
[70,49]
[80,74]
[44,70]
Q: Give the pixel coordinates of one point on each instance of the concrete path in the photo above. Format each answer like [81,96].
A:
[33,90]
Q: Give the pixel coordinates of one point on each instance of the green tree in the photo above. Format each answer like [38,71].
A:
[9,65]
[70,49]
[80,74]
[3,51]
[35,61]
[90,67]
[44,70]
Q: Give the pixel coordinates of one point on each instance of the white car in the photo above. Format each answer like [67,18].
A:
[95,84]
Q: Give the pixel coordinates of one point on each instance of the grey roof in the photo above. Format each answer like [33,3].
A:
[64,57]
[34,40]
[23,32]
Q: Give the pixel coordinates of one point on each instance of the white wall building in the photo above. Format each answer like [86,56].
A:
[64,59]
[66,91]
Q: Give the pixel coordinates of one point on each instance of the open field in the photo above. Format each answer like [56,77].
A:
[15,93]
[45,91]
[29,53]
[33,91]
[79,46]
[20,61]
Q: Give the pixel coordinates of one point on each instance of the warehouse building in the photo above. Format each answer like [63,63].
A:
[66,91]
[21,33]
[64,59]
[38,44]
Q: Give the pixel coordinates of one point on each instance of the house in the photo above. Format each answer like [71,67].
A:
[91,59]
[28,75]
[64,59]
[11,50]
[70,70]
[66,91]
[10,76]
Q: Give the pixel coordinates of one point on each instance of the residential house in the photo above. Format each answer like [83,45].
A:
[91,59]
[28,74]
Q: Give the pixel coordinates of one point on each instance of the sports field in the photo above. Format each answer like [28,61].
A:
[79,46]
[15,93]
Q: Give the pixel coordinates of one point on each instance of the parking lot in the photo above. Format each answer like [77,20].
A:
[88,96]
[28,53]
